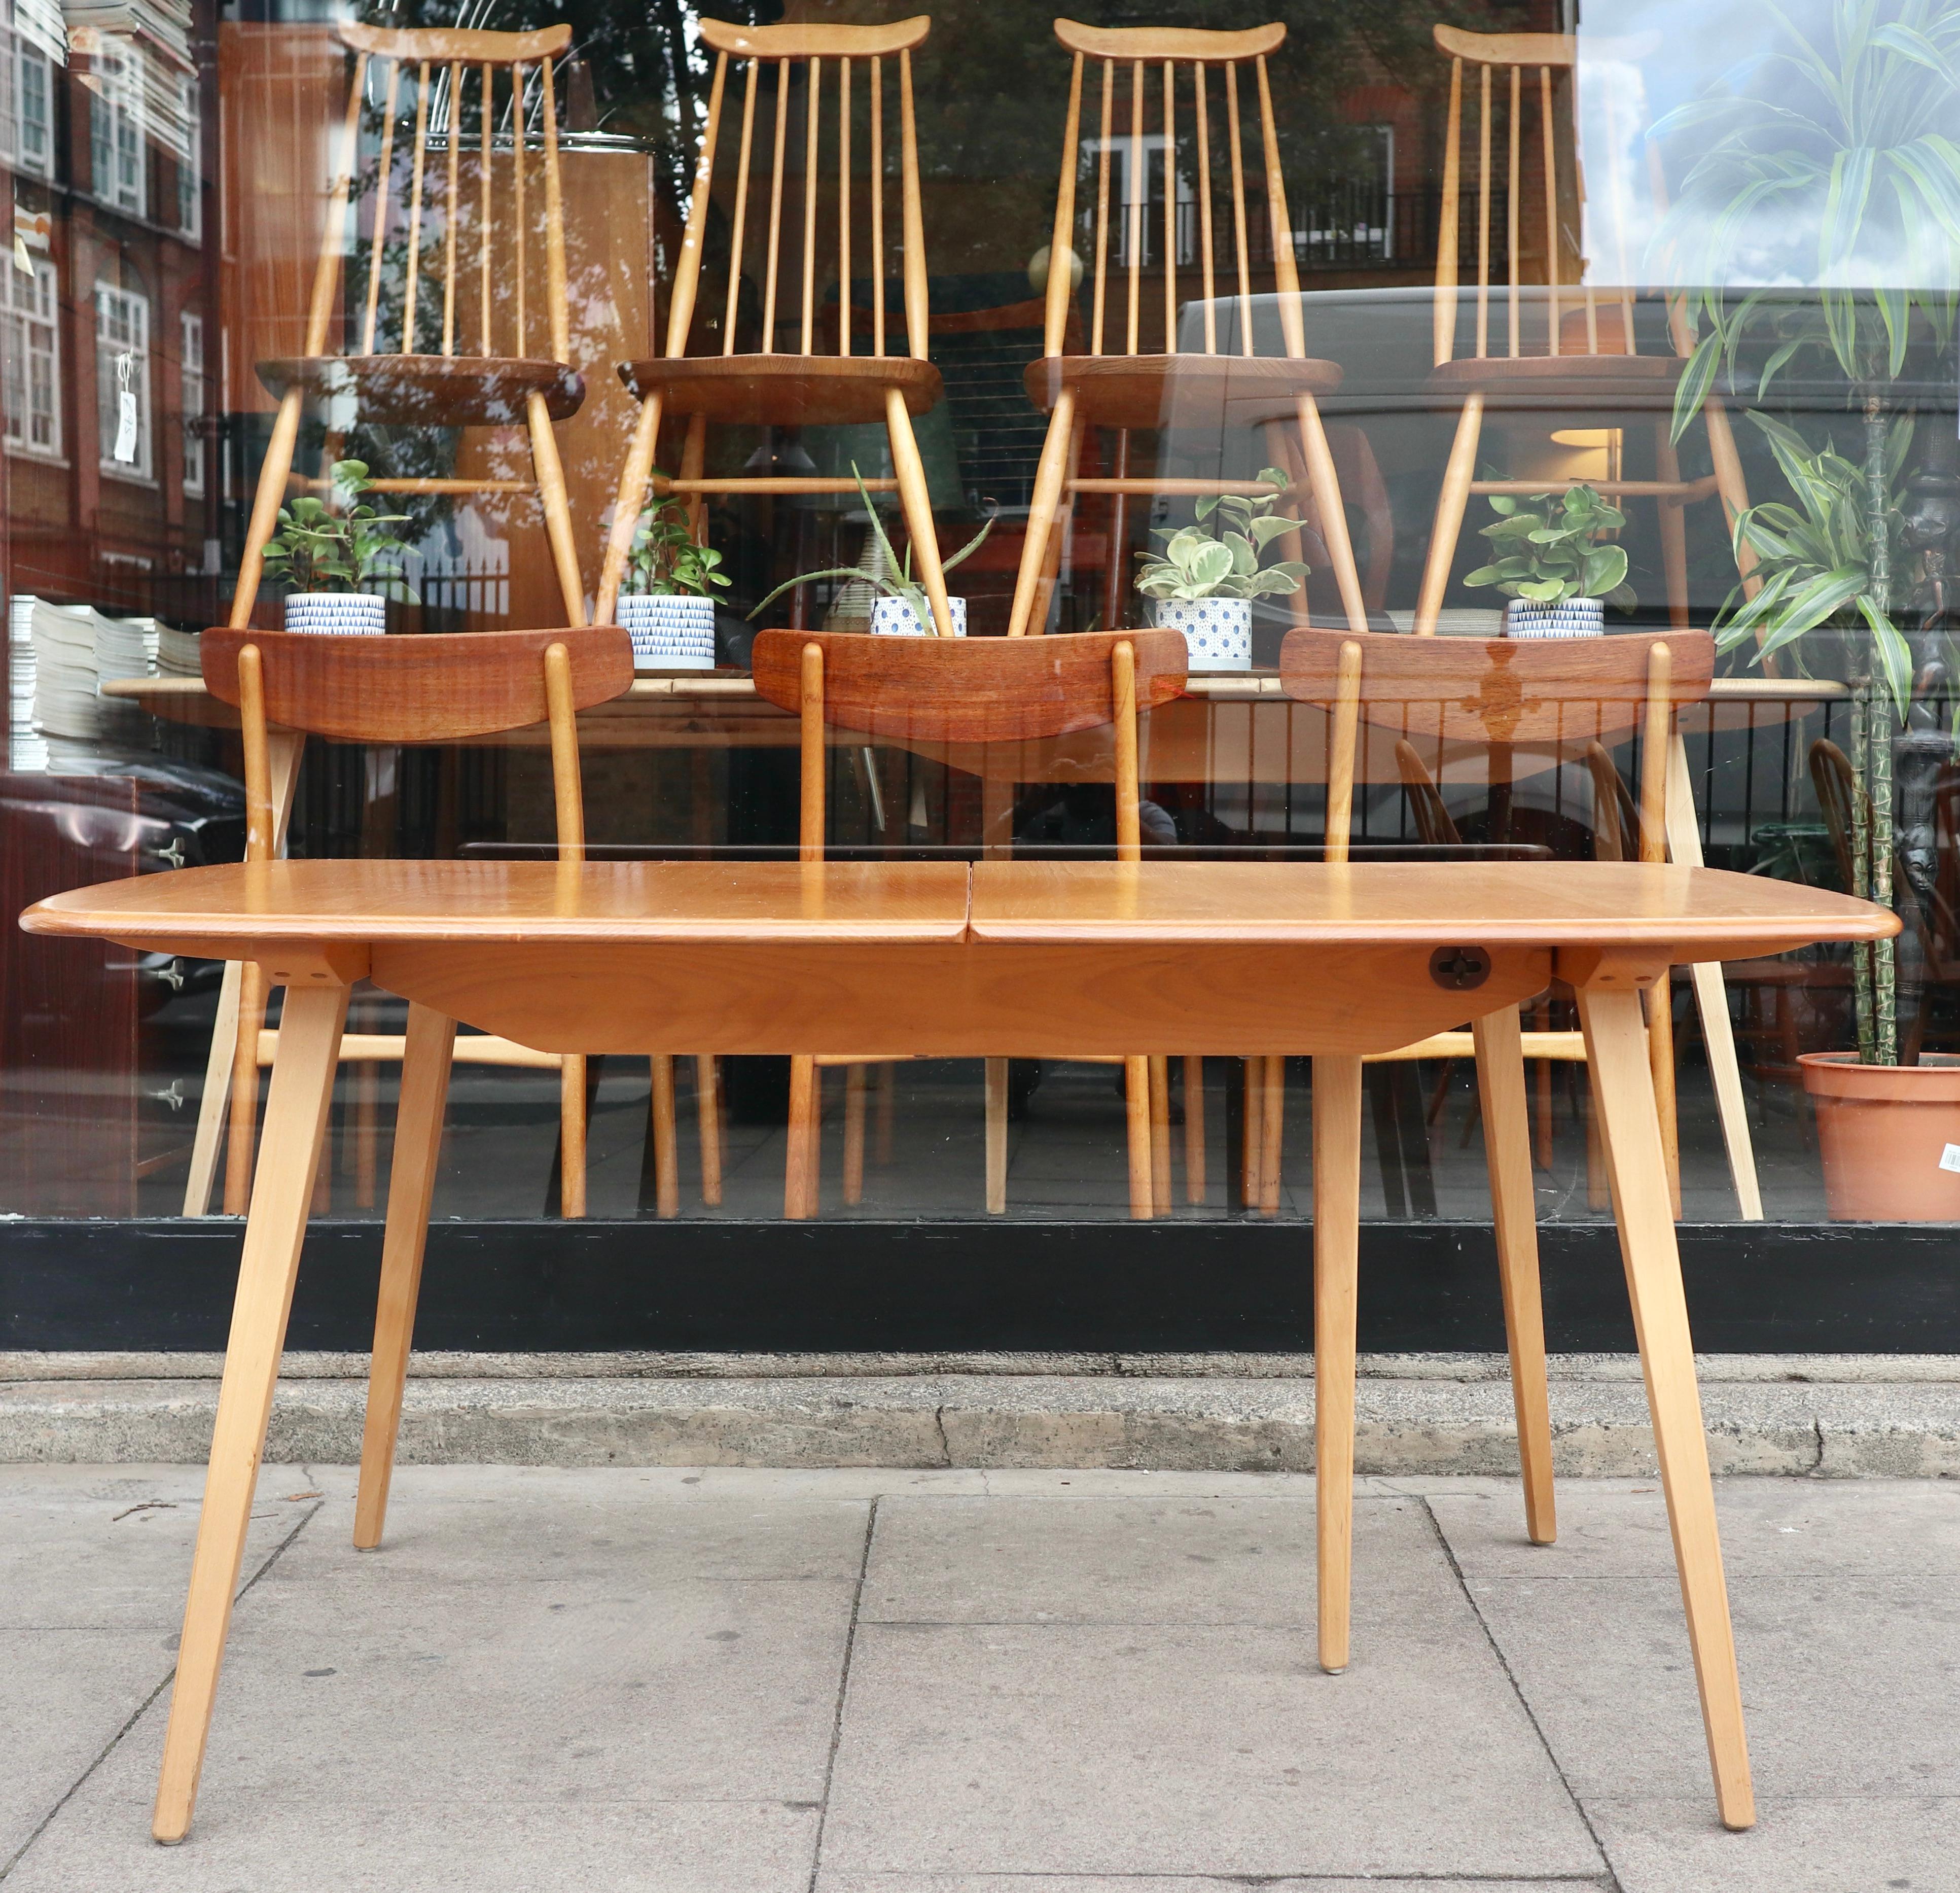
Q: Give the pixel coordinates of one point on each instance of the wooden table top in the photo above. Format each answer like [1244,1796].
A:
[1697,913]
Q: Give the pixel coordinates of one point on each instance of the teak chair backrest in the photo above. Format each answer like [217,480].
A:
[969,690]
[787,48]
[415,689]
[1156,53]
[1569,695]
[1530,62]
[474,91]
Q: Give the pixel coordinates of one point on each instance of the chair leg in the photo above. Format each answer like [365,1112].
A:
[1673,530]
[1336,1215]
[997,1136]
[216,1097]
[1500,1083]
[666,1146]
[1333,518]
[1050,474]
[1136,1098]
[1193,1129]
[916,502]
[853,1134]
[1252,1139]
[707,1111]
[1631,1134]
[888,1087]
[799,1181]
[627,506]
[1115,578]
[693,460]
[1160,1189]
[425,1067]
[571,1135]
[551,494]
[274,471]
[1272,1125]
[1450,505]
[252,995]
[1057,541]
[295,1118]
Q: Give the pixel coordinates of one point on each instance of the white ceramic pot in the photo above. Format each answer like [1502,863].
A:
[1576,618]
[893,618]
[337,614]
[1217,632]
[670,631]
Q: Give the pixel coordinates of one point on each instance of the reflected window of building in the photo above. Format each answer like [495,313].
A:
[190,379]
[122,380]
[190,165]
[116,166]
[30,310]
[26,117]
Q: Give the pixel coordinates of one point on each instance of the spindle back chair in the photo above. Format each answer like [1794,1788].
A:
[790,381]
[406,690]
[502,361]
[971,690]
[1584,357]
[1117,384]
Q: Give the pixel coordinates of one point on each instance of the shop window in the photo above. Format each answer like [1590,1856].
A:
[27,114]
[122,380]
[29,309]
[190,373]
[115,134]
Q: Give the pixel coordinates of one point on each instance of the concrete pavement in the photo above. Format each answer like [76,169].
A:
[735,1680]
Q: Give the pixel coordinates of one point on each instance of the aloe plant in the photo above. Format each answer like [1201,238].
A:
[1225,560]
[1548,550]
[894,578]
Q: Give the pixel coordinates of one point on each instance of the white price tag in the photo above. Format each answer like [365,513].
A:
[125,450]
[1950,1157]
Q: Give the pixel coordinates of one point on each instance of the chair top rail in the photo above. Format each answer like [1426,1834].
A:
[444,45]
[802,40]
[1185,45]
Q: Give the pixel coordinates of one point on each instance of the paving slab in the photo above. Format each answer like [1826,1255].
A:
[829,1882]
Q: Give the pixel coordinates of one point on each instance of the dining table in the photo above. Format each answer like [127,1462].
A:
[991,958]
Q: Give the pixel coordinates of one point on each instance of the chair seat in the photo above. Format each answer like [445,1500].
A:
[1148,391]
[433,391]
[1562,380]
[784,390]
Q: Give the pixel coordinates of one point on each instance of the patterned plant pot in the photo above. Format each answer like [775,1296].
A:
[1217,632]
[1576,618]
[670,631]
[337,614]
[893,618]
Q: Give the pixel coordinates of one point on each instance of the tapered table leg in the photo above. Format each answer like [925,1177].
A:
[1337,1214]
[295,1118]
[1500,1086]
[425,1067]
[1616,1049]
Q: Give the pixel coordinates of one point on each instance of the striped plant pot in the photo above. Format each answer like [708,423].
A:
[1217,632]
[670,631]
[337,614]
[893,618]
[1576,618]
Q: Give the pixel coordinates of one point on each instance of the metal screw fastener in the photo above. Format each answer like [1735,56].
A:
[1459,969]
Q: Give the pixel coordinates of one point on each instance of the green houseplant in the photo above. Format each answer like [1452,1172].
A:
[1206,576]
[332,551]
[1551,565]
[666,604]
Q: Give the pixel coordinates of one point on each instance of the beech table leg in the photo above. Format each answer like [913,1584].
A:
[571,1135]
[1616,1050]
[1500,1087]
[853,1134]
[1193,1129]
[707,1111]
[1160,1191]
[1136,1098]
[666,1145]
[429,1046]
[1337,1228]
[997,1136]
[800,1180]
[295,1118]
[1272,1127]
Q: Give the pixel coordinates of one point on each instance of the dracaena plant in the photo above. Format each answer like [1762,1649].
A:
[893,574]
[1224,559]
[1547,549]
[340,543]
[665,559]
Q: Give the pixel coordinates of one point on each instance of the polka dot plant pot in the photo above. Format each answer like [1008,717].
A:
[1576,618]
[337,614]
[893,618]
[1217,632]
[670,631]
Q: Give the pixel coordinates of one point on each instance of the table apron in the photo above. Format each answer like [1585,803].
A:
[973,1000]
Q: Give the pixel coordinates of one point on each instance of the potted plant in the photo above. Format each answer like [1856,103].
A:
[1557,579]
[327,552]
[667,606]
[1204,580]
[901,610]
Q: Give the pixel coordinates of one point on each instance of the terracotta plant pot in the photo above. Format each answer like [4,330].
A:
[1890,1135]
